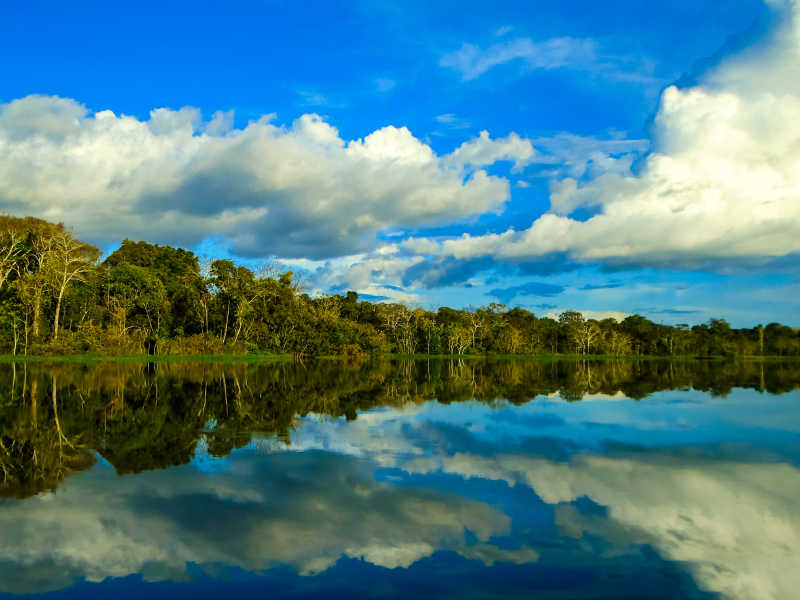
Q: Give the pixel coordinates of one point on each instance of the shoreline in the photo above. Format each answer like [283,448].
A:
[90,358]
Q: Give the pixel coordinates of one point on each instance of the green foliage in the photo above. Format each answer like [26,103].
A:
[55,298]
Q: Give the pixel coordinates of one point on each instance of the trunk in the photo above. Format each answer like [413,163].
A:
[37,313]
[4,275]
[123,322]
[149,322]
[58,311]
[227,315]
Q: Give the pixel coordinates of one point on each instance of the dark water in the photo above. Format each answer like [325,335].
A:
[510,479]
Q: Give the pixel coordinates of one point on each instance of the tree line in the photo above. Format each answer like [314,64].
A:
[58,297]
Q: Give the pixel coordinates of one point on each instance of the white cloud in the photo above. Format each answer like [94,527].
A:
[575,156]
[579,54]
[376,273]
[472,61]
[269,190]
[221,123]
[483,151]
[453,121]
[48,116]
[313,98]
[721,184]
[421,245]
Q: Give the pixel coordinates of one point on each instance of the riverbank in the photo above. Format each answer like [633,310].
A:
[276,358]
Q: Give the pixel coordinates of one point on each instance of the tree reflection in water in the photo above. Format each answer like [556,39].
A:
[143,416]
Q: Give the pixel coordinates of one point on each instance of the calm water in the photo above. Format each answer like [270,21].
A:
[408,479]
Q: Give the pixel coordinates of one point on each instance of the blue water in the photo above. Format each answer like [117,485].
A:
[677,495]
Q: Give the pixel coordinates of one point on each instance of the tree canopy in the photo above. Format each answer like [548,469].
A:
[56,296]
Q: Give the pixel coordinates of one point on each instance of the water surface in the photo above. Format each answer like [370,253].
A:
[477,479]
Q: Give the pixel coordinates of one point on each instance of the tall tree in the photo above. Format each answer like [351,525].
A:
[11,250]
[67,260]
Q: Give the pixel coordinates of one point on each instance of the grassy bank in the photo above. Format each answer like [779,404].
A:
[93,358]
[274,358]
[591,357]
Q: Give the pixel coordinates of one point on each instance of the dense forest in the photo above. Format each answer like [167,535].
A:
[56,418]
[58,296]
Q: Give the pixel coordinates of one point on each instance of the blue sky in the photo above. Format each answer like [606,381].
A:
[638,157]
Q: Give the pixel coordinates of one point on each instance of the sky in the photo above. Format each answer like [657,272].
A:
[612,158]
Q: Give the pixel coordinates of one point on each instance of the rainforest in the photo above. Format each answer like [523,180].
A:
[60,296]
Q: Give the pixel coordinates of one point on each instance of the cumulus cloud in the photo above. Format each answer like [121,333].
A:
[368,274]
[298,191]
[483,151]
[221,123]
[720,186]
